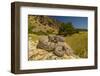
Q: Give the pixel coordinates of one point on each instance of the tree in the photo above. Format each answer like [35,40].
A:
[66,29]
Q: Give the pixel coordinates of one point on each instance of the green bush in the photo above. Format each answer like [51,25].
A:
[66,29]
[30,28]
[40,33]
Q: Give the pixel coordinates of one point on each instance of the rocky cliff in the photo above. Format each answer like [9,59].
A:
[43,24]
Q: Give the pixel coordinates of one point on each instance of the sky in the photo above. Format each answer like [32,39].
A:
[78,22]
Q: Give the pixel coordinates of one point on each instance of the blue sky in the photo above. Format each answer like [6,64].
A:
[78,22]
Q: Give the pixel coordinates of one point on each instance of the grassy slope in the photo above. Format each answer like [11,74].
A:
[79,43]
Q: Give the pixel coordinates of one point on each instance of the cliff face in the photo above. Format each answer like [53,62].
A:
[44,24]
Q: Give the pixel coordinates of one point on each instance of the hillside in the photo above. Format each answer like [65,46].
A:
[42,25]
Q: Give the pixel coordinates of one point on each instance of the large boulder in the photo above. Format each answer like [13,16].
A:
[59,51]
[51,46]
[55,44]
[59,38]
[45,44]
[52,38]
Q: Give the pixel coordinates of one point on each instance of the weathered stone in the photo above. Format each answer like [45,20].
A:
[68,52]
[68,49]
[51,38]
[43,43]
[59,38]
[54,43]
[54,38]
[30,54]
[43,39]
[41,51]
[53,57]
[59,51]
[39,57]
[51,46]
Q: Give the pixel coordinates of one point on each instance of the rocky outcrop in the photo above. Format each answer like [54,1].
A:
[50,53]
[42,25]
[56,44]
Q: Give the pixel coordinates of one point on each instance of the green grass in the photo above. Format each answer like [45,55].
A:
[79,43]
[34,37]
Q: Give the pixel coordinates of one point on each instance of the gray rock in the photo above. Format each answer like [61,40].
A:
[59,51]
[59,38]
[55,39]
[54,43]
[43,43]
[43,39]
[52,38]
[69,52]
[60,44]
[51,46]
